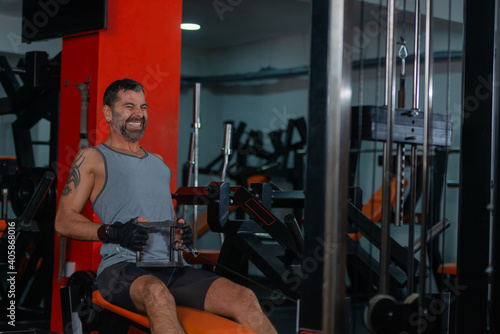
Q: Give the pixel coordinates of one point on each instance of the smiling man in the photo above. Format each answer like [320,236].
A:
[127,186]
[133,127]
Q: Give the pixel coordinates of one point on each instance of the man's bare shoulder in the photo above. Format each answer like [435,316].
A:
[92,152]
[158,156]
[92,157]
[86,171]
[88,161]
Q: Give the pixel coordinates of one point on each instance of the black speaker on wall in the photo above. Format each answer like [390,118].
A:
[46,19]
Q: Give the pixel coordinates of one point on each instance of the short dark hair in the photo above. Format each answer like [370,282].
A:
[111,93]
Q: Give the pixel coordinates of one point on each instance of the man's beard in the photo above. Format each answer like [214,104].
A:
[121,124]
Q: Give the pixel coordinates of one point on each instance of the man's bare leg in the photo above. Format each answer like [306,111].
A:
[151,297]
[239,303]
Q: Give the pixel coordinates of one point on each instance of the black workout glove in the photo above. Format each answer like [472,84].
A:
[187,235]
[129,235]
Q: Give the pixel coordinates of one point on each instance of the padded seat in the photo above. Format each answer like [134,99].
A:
[373,208]
[193,321]
[447,268]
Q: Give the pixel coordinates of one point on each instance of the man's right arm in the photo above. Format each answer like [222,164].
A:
[81,181]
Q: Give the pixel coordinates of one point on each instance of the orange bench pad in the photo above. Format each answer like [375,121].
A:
[3,226]
[373,208]
[193,321]
[447,268]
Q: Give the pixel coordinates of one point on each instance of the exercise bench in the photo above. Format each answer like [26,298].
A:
[448,269]
[193,321]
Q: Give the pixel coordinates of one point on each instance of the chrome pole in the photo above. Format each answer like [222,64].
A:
[5,202]
[196,125]
[190,168]
[416,61]
[338,124]
[226,149]
[428,105]
[390,93]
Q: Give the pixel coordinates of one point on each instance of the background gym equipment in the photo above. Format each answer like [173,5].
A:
[273,247]
[29,264]
[32,91]
[36,99]
[326,205]
[326,201]
[250,143]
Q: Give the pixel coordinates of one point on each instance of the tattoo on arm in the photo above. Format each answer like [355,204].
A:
[74,175]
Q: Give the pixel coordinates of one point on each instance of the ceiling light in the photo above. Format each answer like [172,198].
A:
[190,26]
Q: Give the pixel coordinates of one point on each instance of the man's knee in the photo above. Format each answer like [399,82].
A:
[246,300]
[150,288]
[248,311]
[248,295]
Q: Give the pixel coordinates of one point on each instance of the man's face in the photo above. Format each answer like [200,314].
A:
[130,115]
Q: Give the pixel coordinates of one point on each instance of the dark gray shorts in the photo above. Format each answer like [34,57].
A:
[187,285]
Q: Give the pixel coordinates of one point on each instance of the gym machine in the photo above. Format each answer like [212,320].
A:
[26,263]
[32,90]
[276,163]
[327,204]
[273,246]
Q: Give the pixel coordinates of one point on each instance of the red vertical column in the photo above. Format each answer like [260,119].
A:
[142,42]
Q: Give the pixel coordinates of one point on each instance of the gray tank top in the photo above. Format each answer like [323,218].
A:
[134,187]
